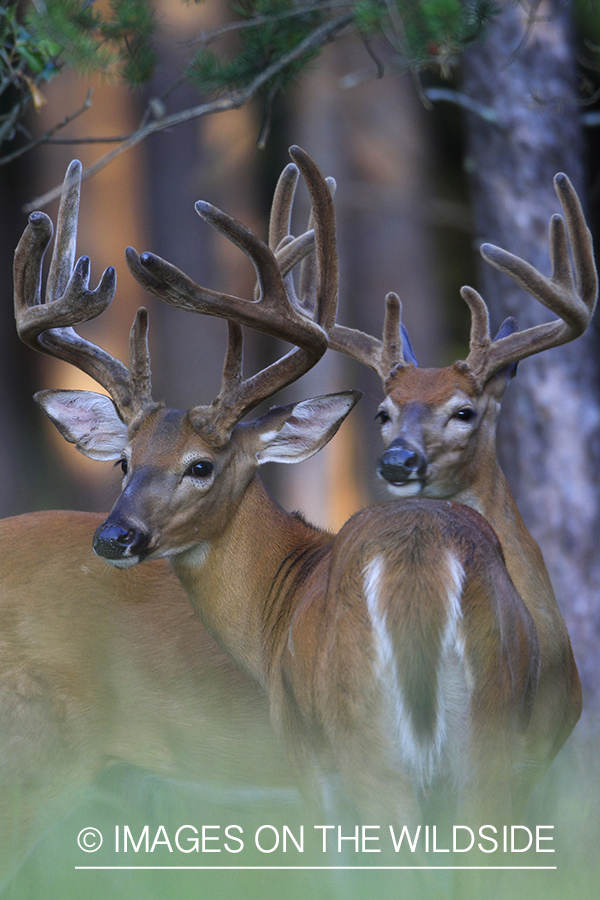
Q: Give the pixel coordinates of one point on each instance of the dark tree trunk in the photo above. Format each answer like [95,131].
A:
[550,427]
[27,479]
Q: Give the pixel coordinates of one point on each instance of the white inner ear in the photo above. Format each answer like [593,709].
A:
[88,420]
[310,426]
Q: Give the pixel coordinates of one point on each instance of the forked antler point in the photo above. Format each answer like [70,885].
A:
[570,291]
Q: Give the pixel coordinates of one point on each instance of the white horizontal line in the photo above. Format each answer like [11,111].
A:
[323,868]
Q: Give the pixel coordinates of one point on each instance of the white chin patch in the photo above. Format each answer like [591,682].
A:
[123,563]
[407,489]
[196,555]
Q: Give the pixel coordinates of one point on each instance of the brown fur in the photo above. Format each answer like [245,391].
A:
[102,666]
[317,653]
[467,471]
[387,652]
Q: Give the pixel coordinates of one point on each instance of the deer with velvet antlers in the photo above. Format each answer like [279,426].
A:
[398,652]
[101,666]
[439,430]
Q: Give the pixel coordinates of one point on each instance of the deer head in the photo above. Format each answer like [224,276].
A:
[438,425]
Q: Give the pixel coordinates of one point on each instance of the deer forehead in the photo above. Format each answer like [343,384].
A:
[432,387]
[168,437]
[435,390]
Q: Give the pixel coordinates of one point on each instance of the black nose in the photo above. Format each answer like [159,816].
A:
[113,541]
[400,462]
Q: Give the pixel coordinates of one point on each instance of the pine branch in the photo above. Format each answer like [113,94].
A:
[45,138]
[208,37]
[232,100]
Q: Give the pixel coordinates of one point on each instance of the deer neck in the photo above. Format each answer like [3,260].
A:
[490,494]
[230,581]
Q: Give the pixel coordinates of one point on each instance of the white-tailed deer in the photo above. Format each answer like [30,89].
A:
[101,667]
[439,430]
[398,652]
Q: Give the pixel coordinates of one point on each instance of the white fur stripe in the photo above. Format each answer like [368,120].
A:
[413,754]
[424,760]
[453,677]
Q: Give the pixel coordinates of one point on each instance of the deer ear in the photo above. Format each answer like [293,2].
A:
[498,383]
[86,419]
[293,433]
[408,354]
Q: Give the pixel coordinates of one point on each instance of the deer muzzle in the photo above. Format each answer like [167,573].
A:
[120,544]
[402,462]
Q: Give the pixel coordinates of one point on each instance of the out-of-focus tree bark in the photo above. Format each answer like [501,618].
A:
[550,426]
[212,159]
[23,469]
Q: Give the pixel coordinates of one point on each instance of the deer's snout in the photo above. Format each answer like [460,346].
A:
[120,544]
[401,462]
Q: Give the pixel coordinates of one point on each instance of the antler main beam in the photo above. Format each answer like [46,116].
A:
[47,325]
[276,311]
[570,291]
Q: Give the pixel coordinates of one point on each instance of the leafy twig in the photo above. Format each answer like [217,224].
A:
[208,37]
[45,138]
[460,99]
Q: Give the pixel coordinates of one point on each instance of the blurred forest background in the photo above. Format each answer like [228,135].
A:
[436,142]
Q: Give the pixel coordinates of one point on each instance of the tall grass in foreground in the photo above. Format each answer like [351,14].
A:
[567,798]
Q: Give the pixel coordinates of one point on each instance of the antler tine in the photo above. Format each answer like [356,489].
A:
[275,312]
[281,242]
[308,269]
[480,339]
[172,286]
[237,395]
[290,250]
[281,207]
[327,278]
[381,356]
[570,291]
[48,326]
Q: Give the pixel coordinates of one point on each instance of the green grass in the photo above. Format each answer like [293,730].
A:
[568,798]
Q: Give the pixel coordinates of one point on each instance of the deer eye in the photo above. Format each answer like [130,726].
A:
[466,414]
[201,469]
[382,416]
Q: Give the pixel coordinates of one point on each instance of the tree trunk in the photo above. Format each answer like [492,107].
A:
[550,428]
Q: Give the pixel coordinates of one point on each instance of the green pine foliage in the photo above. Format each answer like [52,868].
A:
[21,54]
[370,16]
[116,42]
[421,31]
[25,64]
[116,39]
[436,27]
[37,40]
[279,26]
